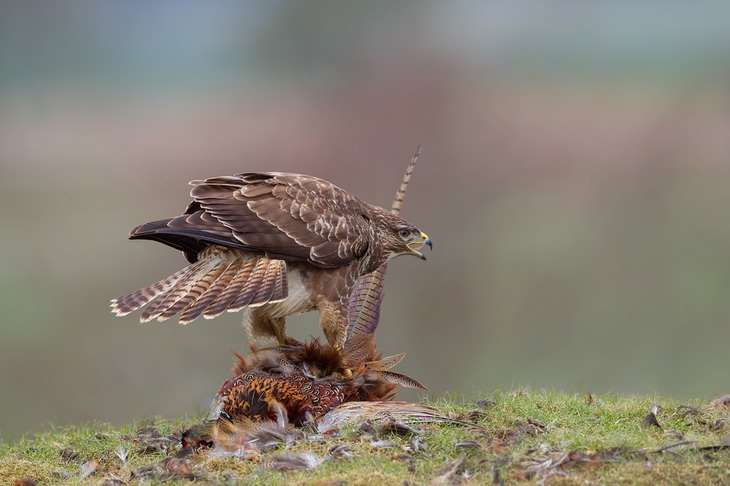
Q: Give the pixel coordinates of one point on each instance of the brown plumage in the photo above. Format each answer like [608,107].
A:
[296,383]
[276,243]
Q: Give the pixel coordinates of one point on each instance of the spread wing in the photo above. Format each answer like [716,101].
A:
[292,217]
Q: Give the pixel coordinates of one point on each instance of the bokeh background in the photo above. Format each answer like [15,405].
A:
[575,178]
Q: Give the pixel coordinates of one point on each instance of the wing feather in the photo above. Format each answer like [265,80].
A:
[401,379]
[202,282]
[386,363]
[223,279]
[196,309]
[125,304]
[255,278]
[172,295]
[279,215]
[267,285]
[222,303]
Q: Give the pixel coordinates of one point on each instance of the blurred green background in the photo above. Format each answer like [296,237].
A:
[575,179]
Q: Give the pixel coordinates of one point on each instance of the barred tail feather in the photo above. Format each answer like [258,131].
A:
[126,304]
[365,303]
[195,309]
[281,286]
[165,300]
[222,279]
[255,278]
[271,284]
[221,303]
[351,413]
[201,282]
[266,287]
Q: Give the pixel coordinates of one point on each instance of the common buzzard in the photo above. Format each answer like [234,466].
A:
[274,242]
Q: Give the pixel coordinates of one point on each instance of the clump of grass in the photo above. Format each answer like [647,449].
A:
[520,436]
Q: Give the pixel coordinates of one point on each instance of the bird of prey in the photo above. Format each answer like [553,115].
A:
[276,243]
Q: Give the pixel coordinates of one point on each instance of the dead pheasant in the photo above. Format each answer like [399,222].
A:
[294,384]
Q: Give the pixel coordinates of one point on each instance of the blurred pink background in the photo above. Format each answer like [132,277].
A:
[575,179]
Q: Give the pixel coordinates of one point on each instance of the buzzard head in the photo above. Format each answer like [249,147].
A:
[402,238]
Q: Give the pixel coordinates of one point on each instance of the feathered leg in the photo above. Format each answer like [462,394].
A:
[334,321]
[261,326]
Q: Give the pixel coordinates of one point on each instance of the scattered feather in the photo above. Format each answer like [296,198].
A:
[650,419]
[473,416]
[392,427]
[497,479]
[454,474]
[292,462]
[151,441]
[341,450]
[122,453]
[467,444]
[416,445]
[60,474]
[316,439]
[382,444]
[67,455]
[89,467]
[248,440]
[178,469]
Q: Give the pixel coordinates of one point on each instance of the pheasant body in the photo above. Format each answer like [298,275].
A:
[264,395]
[297,383]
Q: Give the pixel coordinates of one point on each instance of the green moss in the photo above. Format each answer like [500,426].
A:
[525,435]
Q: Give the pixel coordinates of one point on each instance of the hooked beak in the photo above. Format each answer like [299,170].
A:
[425,241]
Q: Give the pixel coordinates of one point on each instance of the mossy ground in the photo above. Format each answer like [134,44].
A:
[527,437]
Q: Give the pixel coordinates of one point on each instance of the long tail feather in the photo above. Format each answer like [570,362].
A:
[352,413]
[365,301]
[401,193]
[367,297]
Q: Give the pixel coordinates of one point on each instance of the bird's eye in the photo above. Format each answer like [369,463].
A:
[404,232]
